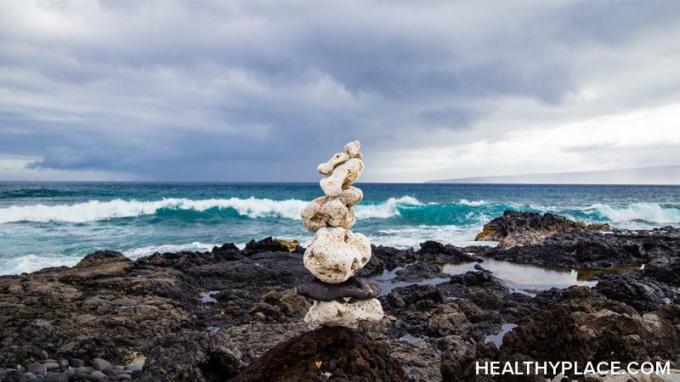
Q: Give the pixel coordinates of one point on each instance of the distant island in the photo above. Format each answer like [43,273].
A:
[660,175]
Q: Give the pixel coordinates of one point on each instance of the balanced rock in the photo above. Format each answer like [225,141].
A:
[337,313]
[353,149]
[327,168]
[328,211]
[343,175]
[355,288]
[336,254]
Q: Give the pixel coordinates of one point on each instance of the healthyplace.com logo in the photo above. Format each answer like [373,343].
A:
[571,368]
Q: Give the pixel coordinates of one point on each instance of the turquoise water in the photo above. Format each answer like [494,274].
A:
[46,224]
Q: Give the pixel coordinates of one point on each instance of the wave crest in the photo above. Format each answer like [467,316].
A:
[647,212]
[387,209]
[95,210]
[406,208]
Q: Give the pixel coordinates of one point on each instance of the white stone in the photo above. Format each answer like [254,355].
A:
[336,313]
[335,254]
[328,211]
[342,176]
[327,168]
[351,196]
[353,149]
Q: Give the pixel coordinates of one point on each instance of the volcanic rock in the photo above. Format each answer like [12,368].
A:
[345,354]
[521,228]
[355,288]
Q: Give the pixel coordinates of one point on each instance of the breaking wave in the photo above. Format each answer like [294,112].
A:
[644,212]
[407,209]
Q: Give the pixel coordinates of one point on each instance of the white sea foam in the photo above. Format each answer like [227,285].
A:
[648,212]
[387,209]
[472,203]
[102,210]
[411,237]
[32,263]
[135,253]
[95,210]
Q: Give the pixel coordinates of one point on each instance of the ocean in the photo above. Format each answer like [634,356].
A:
[52,224]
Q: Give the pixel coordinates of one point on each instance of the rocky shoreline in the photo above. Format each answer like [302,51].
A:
[210,316]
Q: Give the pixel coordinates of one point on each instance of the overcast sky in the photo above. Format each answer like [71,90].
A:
[263,91]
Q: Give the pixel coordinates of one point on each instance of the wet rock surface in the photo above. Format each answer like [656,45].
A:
[355,287]
[522,228]
[589,248]
[112,318]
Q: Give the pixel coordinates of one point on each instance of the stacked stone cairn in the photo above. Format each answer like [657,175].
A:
[336,254]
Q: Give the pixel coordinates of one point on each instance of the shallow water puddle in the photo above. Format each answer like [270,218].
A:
[523,277]
[387,283]
[498,337]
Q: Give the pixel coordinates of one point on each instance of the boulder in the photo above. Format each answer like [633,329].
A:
[336,254]
[327,211]
[522,228]
[336,313]
[338,353]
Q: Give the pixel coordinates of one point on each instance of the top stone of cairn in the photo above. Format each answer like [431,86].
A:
[342,170]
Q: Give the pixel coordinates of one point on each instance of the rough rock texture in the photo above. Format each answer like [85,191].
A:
[355,288]
[327,211]
[111,307]
[585,326]
[590,248]
[336,254]
[645,289]
[342,176]
[347,314]
[522,228]
[192,356]
[338,353]
[272,245]
[279,306]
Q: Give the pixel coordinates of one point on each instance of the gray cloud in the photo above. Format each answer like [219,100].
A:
[260,90]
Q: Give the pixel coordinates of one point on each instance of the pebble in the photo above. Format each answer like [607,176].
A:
[109,371]
[63,364]
[98,375]
[124,376]
[35,368]
[84,370]
[76,362]
[51,365]
[100,364]
[57,377]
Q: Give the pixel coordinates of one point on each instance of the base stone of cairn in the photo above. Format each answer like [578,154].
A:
[336,254]
[337,354]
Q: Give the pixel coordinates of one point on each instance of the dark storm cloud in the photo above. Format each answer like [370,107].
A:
[256,91]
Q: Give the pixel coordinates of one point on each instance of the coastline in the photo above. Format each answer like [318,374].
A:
[185,310]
